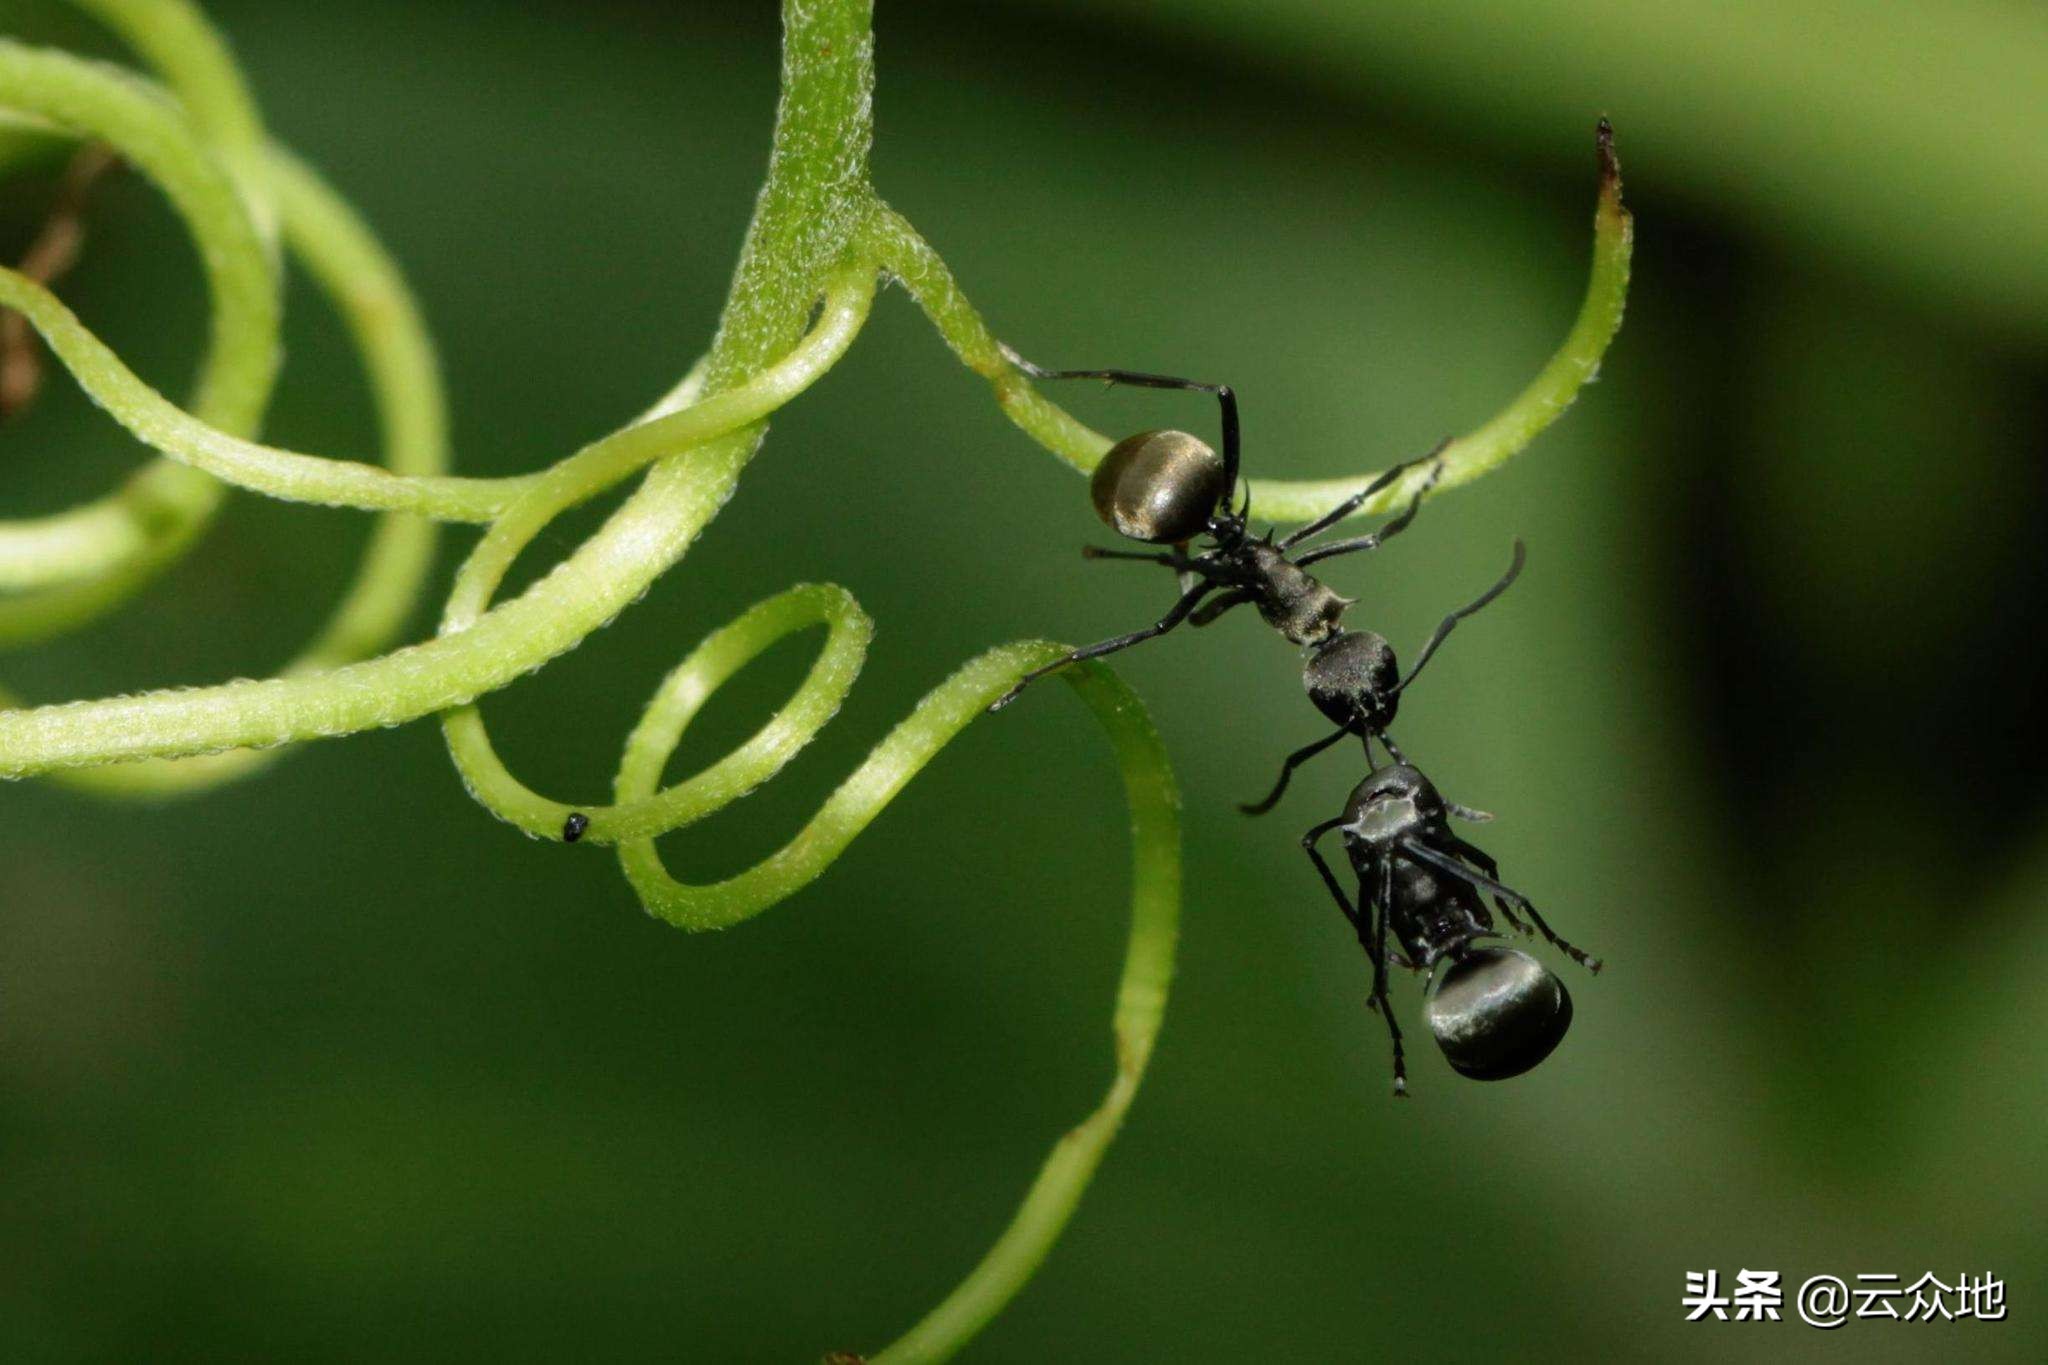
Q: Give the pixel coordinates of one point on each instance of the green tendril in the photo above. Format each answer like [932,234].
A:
[283,474]
[85,560]
[367,289]
[900,249]
[819,242]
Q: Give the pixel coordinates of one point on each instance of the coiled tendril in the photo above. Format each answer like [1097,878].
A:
[820,242]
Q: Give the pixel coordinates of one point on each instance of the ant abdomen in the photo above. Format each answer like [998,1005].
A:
[1159,486]
[1354,680]
[1497,1012]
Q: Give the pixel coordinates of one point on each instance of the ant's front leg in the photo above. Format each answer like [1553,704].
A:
[1361,497]
[1180,612]
[1308,846]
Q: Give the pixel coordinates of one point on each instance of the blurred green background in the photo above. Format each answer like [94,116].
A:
[331,1066]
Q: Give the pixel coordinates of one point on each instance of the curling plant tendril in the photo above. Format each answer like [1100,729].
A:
[820,243]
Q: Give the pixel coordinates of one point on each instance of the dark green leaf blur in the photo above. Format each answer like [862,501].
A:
[331,1066]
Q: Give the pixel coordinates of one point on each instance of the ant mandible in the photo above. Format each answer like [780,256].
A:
[1495,1012]
[1169,487]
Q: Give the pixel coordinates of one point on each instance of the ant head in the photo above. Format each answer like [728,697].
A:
[1497,1012]
[1352,676]
[1391,804]
[1162,487]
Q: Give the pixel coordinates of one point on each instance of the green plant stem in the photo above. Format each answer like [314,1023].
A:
[96,554]
[183,47]
[816,196]
[1508,432]
[283,474]
[488,780]
[366,287]
[1142,988]
[899,248]
[815,199]
[93,557]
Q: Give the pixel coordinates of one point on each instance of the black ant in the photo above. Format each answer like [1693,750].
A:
[1495,1012]
[1168,487]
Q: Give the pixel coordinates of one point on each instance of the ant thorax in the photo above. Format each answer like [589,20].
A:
[1434,917]
[1290,599]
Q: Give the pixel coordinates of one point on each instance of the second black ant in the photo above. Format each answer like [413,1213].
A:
[1496,1012]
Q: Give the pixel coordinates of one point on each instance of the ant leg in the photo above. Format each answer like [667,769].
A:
[1294,760]
[1178,614]
[1450,622]
[1485,883]
[1476,856]
[1379,974]
[1171,561]
[1375,539]
[1308,846]
[1372,937]
[1392,749]
[1211,610]
[1225,396]
[1483,860]
[1359,499]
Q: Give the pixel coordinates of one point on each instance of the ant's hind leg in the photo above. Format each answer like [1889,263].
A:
[1483,860]
[1226,398]
[1483,882]
[1171,561]
[1237,597]
[1181,609]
